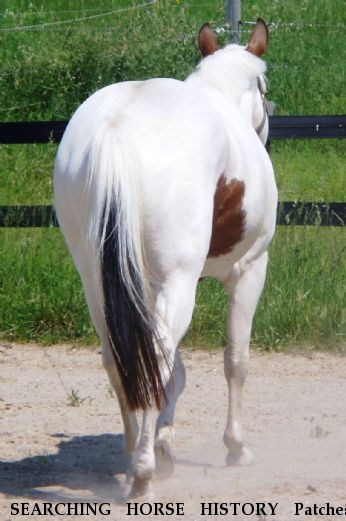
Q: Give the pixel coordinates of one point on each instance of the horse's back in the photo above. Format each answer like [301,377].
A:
[160,116]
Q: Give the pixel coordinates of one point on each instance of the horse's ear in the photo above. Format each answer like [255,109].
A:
[258,43]
[207,41]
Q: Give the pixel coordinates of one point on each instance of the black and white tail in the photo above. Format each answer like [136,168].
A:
[115,234]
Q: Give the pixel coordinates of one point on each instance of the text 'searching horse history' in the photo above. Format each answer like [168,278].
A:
[158,183]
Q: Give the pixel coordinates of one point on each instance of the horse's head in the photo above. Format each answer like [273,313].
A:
[251,97]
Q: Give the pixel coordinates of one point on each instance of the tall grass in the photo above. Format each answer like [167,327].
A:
[41,298]
[47,73]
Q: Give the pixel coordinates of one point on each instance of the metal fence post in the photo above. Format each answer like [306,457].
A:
[233,17]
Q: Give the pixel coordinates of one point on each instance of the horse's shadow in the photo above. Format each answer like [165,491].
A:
[91,463]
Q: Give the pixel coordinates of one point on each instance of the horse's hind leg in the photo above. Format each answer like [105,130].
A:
[130,422]
[131,427]
[244,289]
[175,302]
[165,432]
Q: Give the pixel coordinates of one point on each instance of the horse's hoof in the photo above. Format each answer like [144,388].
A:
[142,490]
[164,459]
[128,477]
[242,457]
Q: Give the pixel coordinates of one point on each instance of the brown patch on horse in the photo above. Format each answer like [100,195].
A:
[228,218]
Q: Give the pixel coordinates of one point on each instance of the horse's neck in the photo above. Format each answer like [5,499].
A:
[213,88]
[226,104]
[237,124]
[226,79]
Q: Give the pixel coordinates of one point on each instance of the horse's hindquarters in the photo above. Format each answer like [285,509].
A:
[153,153]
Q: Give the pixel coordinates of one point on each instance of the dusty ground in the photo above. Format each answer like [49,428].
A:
[294,417]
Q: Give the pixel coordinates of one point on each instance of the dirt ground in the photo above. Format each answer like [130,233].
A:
[294,417]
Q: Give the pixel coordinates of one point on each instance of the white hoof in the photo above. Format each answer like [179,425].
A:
[128,477]
[167,433]
[164,459]
[142,490]
[241,456]
[143,465]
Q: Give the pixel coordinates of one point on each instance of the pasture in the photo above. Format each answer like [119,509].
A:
[46,73]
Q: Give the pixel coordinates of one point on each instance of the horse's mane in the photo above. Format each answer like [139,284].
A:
[231,69]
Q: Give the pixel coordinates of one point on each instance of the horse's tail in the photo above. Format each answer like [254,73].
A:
[117,242]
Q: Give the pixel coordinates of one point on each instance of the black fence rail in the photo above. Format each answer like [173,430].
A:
[281,127]
[288,213]
[308,127]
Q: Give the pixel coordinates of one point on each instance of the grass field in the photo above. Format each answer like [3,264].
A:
[45,73]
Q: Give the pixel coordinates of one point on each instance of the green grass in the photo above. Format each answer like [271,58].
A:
[310,170]
[41,298]
[26,173]
[46,74]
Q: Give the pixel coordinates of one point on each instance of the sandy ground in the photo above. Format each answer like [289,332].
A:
[294,415]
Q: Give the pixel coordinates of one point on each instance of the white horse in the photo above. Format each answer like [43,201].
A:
[158,183]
